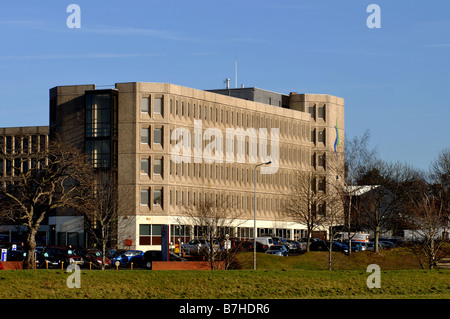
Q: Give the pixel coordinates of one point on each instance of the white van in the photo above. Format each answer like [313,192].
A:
[265,240]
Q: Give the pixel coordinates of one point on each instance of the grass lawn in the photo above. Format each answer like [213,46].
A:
[277,277]
[233,284]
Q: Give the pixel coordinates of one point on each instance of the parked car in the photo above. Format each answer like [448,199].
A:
[340,247]
[56,255]
[320,245]
[265,240]
[248,246]
[388,244]
[125,258]
[278,250]
[94,256]
[283,241]
[194,247]
[359,246]
[299,246]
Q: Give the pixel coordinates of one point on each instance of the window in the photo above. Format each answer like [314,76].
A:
[9,144]
[42,143]
[145,105]
[157,197]
[313,160]
[99,152]
[34,144]
[157,136]
[322,209]
[145,135]
[98,115]
[150,234]
[25,143]
[321,136]
[179,233]
[312,111]
[321,185]
[144,166]
[157,106]
[313,136]
[321,160]
[321,112]
[157,166]
[144,197]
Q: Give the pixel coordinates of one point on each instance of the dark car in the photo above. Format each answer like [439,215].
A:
[94,257]
[320,245]
[388,244]
[54,256]
[125,258]
[248,246]
[339,247]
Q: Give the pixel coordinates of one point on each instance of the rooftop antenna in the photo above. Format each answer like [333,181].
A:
[227,83]
[235,73]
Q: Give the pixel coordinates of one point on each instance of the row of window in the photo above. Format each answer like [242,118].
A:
[318,136]
[150,234]
[215,114]
[20,165]
[155,166]
[23,144]
[320,111]
[217,172]
[236,201]
[290,153]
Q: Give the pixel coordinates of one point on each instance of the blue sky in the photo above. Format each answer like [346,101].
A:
[395,80]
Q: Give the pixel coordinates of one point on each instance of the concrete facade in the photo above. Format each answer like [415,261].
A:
[154,190]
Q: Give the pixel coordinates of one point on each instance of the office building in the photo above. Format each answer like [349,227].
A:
[136,129]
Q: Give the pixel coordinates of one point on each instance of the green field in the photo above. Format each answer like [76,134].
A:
[300,276]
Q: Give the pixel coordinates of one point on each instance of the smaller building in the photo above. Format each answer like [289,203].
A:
[21,142]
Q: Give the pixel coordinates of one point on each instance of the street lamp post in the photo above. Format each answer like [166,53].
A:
[254,221]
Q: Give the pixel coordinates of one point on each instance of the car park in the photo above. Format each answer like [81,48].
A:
[278,250]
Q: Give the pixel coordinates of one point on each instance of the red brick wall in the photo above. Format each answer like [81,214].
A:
[11,265]
[181,265]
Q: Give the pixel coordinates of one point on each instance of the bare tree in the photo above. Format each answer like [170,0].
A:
[357,158]
[215,222]
[440,178]
[429,222]
[53,178]
[429,212]
[390,185]
[99,209]
[306,201]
